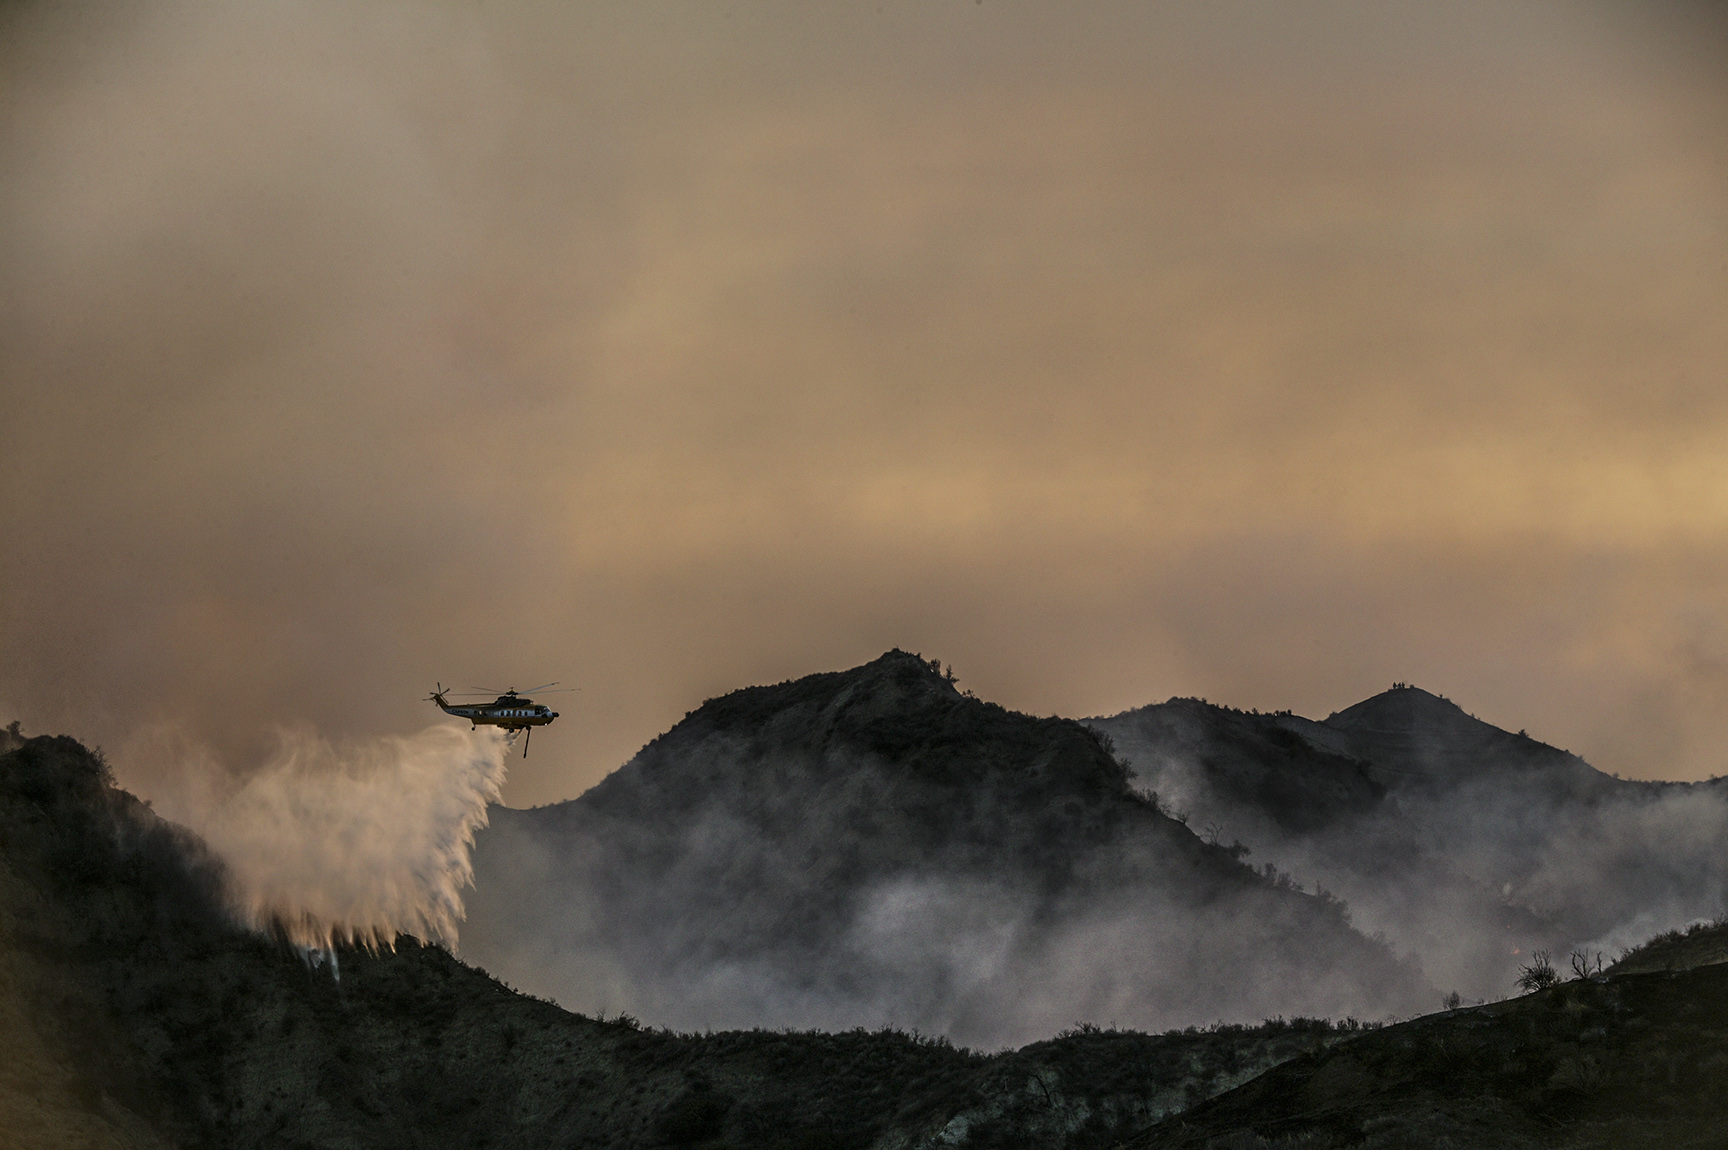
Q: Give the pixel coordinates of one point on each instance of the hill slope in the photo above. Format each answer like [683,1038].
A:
[137,1017]
[1606,1064]
[872,846]
[1467,845]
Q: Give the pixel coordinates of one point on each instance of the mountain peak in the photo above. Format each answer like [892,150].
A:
[895,678]
[1411,733]
[1402,709]
[899,709]
[873,843]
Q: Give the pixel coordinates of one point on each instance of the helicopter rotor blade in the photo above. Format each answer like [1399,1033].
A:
[541,687]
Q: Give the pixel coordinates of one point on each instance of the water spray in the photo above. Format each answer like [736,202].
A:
[353,845]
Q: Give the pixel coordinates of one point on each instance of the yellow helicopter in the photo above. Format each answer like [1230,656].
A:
[511,710]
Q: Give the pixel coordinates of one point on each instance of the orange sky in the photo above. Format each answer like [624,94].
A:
[1262,352]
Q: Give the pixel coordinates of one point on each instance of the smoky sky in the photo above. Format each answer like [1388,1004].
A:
[1261,352]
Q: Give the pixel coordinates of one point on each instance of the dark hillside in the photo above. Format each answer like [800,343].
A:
[1606,1063]
[1244,764]
[1466,845]
[1295,794]
[1701,944]
[137,1017]
[1417,739]
[875,847]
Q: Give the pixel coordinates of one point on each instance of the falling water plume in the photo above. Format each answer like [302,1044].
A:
[355,844]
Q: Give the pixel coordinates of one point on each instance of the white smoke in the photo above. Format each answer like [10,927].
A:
[351,843]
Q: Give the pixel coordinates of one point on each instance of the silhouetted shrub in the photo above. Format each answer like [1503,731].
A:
[1539,975]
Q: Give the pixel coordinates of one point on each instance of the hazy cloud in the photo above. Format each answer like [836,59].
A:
[1225,349]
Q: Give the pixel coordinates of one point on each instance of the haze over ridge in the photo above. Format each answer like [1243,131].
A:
[873,847]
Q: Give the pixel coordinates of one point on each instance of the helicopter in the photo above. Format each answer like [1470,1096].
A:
[511,710]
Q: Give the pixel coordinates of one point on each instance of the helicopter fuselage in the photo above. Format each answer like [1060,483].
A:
[510,712]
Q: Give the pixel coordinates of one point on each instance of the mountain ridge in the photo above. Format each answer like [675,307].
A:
[880,823]
[1437,740]
[142,1017]
[1469,845]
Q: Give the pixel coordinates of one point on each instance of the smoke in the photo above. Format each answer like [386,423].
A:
[778,879]
[1611,873]
[790,879]
[351,843]
[1482,847]
[1501,876]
